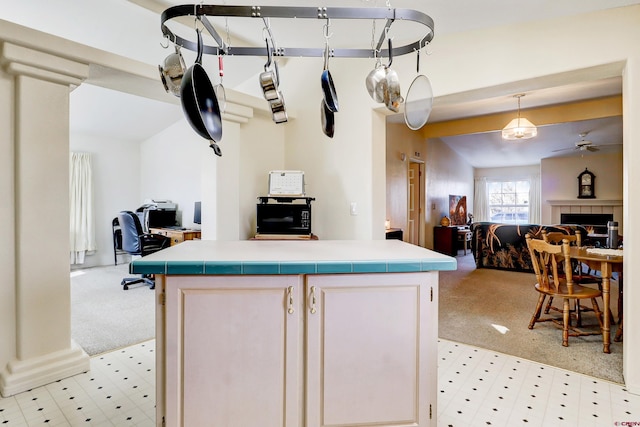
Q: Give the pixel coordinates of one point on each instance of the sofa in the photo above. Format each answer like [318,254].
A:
[504,246]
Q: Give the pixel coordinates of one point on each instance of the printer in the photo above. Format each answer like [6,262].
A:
[157,214]
[166,205]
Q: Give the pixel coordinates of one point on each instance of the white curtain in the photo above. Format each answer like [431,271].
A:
[535,204]
[480,200]
[81,223]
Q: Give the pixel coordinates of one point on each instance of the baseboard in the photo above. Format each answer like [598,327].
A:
[22,375]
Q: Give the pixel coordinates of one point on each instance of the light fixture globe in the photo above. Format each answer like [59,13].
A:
[519,128]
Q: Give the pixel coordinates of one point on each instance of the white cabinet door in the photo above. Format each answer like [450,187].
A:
[371,349]
[233,351]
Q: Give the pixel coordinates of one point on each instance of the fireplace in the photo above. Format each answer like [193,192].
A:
[596,220]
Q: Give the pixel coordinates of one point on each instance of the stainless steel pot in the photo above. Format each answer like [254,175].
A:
[373,78]
[269,78]
[172,71]
[388,88]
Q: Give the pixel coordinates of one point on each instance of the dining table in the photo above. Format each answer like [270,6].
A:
[607,262]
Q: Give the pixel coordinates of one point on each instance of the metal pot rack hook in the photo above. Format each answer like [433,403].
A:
[375,49]
[166,38]
[226,27]
[267,29]
[386,32]
[268,63]
[325,29]
[426,52]
[196,18]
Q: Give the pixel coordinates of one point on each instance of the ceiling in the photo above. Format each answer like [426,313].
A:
[488,149]
[91,104]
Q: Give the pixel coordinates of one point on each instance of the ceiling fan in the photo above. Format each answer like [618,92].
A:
[584,145]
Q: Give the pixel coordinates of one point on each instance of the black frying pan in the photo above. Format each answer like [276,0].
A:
[199,101]
[328,88]
[328,120]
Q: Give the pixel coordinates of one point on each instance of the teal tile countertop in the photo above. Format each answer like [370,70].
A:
[267,257]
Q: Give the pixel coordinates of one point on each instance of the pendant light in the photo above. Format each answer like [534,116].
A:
[519,128]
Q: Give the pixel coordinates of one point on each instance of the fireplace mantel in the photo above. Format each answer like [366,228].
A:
[585,202]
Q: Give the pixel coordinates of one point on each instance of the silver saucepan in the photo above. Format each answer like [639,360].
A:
[171,72]
[388,88]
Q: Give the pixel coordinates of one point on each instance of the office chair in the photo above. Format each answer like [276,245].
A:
[117,240]
[137,242]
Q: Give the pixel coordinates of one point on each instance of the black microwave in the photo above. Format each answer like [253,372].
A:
[284,218]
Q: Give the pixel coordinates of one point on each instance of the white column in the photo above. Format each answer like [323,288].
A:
[221,176]
[43,350]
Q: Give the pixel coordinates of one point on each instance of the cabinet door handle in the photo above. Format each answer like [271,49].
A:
[290,295]
[313,300]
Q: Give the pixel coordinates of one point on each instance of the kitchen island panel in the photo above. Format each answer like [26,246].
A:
[233,346]
[371,352]
[296,334]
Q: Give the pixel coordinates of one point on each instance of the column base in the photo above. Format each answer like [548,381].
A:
[22,375]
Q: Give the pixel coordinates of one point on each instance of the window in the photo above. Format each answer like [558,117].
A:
[509,201]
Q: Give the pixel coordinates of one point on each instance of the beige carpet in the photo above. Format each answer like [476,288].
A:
[473,300]
[103,316]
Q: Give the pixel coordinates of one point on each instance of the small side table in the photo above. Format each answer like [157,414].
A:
[464,238]
[444,240]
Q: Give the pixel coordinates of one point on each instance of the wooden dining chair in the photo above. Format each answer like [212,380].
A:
[579,276]
[549,261]
[556,238]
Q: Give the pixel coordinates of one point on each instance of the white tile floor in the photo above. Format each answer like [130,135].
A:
[119,390]
[476,387]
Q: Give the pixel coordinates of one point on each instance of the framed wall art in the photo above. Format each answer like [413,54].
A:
[458,210]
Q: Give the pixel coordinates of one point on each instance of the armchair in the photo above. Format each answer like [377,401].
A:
[136,242]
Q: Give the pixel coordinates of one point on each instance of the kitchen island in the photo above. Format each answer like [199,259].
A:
[296,333]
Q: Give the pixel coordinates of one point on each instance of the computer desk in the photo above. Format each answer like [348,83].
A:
[177,235]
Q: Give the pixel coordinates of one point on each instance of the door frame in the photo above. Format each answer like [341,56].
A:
[422,196]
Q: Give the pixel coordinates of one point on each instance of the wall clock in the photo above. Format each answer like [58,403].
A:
[586,182]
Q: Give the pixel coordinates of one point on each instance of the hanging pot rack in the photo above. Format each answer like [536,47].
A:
[202,12]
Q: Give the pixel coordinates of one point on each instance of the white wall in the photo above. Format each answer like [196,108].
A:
[171,164]
[560,179]
[180,166]
[560,182]
[262,150]
[447,174]
[338,170]
[507,172]
[116,187]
